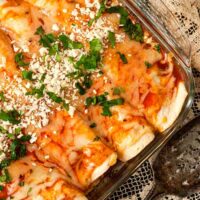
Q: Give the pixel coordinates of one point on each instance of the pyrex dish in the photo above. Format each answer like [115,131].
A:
[163,27]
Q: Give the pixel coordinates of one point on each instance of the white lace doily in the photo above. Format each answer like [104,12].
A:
[187,13]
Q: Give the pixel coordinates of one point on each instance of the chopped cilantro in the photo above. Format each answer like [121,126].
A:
[106,105]
[12,116]
[123,57]
[87,81]
[5,176]
[5,163]
[53,50]
[95,45]
[96,100]
[3,130]
[66,106]
[18,148]
[68,43]
[157,48]
[99,13]
[58,99]
[42,78]
[106,111]
[118,90]
[2,97]
[76,74]
[102,101]
[134,31]
[58,58]
[39,31]
[19,59]
[91,60]
[39,92]
[90,101]
[80,88]
[113,102]
[111,38]
[47,39]
[54,97]
[148,65]
[119,9]
[27,75]
[11,135]
[93,125]
[18,130]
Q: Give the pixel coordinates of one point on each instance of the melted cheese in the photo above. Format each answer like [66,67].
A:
[39,181]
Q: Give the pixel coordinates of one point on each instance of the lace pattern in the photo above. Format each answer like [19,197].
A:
[140,183]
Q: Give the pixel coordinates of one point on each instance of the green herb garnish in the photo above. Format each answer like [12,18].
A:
[5,176]
[3,130]
[80,88]
[18,148]
[54,50]
[102,101]
[42,78]
[19,59]
[68,43]
[118,90]
[39,92]
[148,65]
[47,40]
[95,45]
[75,75]
[134,31]
[91,60]
[5,163]
[157,48]
[54,97]
[96,100]
[108,104]
[123,57]
[27,75]
[99,13]
[106,111]
[120,10]
[1,187]
[39,31]
[111,38]
[12,116]
[87,81]
[2,97]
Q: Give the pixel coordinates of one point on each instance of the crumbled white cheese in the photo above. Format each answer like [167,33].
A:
[55,27]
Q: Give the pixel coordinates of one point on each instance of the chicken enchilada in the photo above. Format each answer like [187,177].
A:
[82,85]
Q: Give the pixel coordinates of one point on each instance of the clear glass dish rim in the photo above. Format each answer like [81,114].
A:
[99,193]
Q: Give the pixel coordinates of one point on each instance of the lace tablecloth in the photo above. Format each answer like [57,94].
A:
[187,13]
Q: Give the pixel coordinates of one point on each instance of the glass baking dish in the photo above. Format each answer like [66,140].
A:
[160,22]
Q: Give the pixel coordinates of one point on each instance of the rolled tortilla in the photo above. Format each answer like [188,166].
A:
[39,182]
[68,143]
[126,131]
